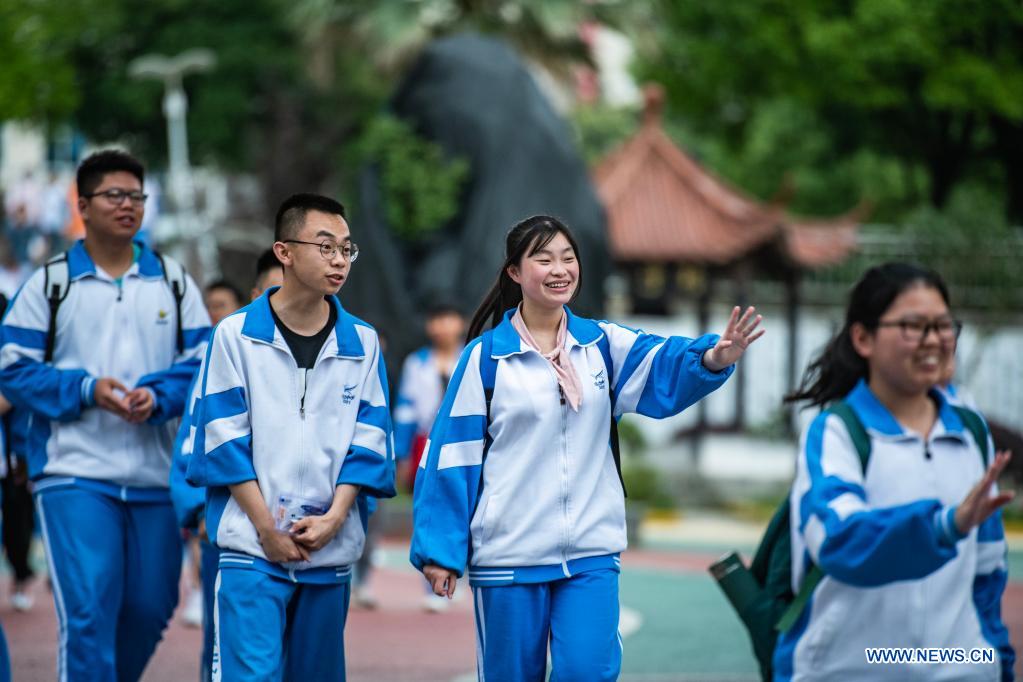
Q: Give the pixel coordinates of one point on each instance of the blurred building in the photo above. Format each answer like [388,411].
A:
[677,232]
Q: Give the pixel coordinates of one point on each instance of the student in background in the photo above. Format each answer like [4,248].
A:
[221,298]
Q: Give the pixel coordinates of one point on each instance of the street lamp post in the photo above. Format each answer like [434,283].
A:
[171,71]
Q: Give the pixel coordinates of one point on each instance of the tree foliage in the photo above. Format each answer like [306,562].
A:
[420,187]
[893,101]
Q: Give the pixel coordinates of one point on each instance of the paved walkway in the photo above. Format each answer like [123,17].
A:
[676,623]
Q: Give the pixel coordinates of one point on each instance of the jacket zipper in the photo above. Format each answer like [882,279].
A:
[566,532]
[304,376]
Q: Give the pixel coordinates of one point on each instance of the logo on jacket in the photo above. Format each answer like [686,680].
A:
[162,317]
[599,381]
[349,394]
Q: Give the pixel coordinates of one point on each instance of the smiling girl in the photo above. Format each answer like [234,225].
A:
[908,547]
[521,480]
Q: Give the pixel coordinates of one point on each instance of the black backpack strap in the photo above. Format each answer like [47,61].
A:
[604,344]
[861,441]
[488,374]
[56,285]
[974,423]
[174,276]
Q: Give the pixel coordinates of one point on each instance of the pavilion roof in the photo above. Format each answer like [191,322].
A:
[663,206]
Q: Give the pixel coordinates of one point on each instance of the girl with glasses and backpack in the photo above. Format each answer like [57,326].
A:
[521,479]
[902,548]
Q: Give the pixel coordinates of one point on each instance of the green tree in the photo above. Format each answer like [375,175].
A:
[845,92]
[37,80]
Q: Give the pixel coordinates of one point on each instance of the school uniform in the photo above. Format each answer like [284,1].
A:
[101,483]
[190,506]
[542,524]
[299,433]
[897,571]
[420,392]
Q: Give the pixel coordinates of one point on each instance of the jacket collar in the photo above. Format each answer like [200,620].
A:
[876,417]
[259,325]
[80,263]
[581,332]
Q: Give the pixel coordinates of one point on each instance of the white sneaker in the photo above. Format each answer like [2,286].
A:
[191,615]
[22,601]
[365,598]
[434,603]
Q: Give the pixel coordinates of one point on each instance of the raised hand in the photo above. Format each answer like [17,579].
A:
[979,504]
[737,337]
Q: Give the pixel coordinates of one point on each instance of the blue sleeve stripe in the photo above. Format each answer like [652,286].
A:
[366,468]
[823,488]
[991,530]
[987,599]
[373,416]
[461,429]
[641,347]
[193,337]
[815,447]
[24,337]
[224,404]
[230,463]
[823,491]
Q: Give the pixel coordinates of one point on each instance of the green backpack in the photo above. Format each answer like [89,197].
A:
[762,594]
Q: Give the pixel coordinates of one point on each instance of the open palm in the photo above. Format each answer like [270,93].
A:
[737,337]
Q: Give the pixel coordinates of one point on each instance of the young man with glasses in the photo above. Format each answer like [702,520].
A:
[291,434]
[93,347]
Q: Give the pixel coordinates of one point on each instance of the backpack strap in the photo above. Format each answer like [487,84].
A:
[974,423]
[174,276]
[488,368]
[858,434]
[605,350]
[861,441]
[56,284]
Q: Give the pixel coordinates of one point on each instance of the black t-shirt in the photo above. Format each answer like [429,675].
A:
[306,348]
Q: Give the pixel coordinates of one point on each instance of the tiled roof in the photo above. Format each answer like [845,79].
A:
[663,206]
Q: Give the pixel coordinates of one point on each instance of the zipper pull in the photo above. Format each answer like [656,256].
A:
[301,403]
[927,452]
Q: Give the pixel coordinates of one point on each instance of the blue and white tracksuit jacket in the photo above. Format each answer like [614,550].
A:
[420,393]
[298,433]
[897,572]
[549,503]
[103,329]
[188,499]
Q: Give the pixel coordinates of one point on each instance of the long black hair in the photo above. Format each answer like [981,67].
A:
[523,240]
[839,367]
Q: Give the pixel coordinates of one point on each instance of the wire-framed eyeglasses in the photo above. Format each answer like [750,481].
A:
[329,249]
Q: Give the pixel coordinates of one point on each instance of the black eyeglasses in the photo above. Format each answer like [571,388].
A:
[350,251]
[117,196]
[916,330]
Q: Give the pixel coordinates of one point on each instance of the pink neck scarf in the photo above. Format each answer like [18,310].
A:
[563,368]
